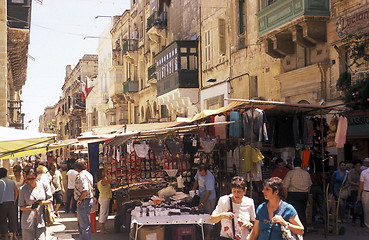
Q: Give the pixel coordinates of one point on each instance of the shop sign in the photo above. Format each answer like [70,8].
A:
[358,125]
[353,22]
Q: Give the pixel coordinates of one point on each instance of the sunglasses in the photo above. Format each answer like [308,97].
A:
[238,178]
[29,179]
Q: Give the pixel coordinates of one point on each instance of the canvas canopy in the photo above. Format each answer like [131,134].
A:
[19,143]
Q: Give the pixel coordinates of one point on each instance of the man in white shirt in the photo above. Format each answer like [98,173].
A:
[71,174]
[363,195]
[83,194]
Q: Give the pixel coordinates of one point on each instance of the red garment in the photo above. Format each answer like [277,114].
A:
[211,129]
[278,173]
[220,130]
[306,158]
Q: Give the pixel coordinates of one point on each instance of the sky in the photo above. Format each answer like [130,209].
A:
[57,39]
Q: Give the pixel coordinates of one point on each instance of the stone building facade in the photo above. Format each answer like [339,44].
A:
[15,16]
[71,108]
[47,121]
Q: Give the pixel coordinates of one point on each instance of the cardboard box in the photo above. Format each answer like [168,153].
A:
[151,233]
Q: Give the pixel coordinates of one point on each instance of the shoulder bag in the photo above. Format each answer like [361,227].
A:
[287,234]
[233,226]
[344,193]
[49,215]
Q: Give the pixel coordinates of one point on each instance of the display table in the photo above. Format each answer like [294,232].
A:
[170,220]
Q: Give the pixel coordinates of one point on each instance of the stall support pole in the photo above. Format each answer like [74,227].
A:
[251,144]
[324,183]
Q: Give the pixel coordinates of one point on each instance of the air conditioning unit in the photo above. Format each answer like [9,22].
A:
[105,97]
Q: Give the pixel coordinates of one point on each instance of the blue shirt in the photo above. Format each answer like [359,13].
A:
[339,179]
[6,190]
[206,183]
[265,223]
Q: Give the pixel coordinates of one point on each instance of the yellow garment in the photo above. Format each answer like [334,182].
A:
[105,191]
[250,156]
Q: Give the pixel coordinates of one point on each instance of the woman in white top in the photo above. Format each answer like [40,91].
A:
[18,176]
[236,219]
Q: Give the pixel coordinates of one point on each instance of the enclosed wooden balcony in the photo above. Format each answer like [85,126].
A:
[130,45]
[287,22]
[130,87]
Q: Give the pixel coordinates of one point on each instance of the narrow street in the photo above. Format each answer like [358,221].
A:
[66,228]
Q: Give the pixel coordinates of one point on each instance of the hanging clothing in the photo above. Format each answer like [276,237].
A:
[142,149]
[156,146]
[308,132]
[220,130]
[340,138]
[235,129]
[130,147]
[284,133]
[211,129]
[208,144]
[306,158]
[258,119]
[332,132]
[190,145]
[174,146]
[249,157]
[233,159]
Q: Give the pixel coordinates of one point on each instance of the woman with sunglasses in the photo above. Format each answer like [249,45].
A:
[33,197]
[275,213]
[236,212]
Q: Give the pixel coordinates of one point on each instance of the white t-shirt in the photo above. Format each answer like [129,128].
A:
[72,174]
[244,212]
[364,177]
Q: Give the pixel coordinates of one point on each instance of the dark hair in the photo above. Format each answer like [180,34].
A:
[3,172]
[80,164]
[99,175]
[31,171]
[341,163]
[17,168]
[276,184]
[297,162]
[202,167]
[238,182]
[356,161]
[279,160]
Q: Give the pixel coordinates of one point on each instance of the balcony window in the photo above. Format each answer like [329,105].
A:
[184,63]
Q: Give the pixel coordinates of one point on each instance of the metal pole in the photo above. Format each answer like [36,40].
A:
[251,144]
[324,183]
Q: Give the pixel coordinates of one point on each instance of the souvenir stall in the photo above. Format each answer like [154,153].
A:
[142,163]
[265,130]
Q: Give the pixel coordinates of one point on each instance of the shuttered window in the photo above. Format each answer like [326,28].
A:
[222,40]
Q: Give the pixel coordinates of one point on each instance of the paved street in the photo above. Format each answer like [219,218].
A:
[66,228]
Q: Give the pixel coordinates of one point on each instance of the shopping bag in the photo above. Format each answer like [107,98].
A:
[288,235]
[344,193]
[49,216]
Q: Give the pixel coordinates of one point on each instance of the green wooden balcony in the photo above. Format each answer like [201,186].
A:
[284,11]
[130,87]
[151,72]
[130,45]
